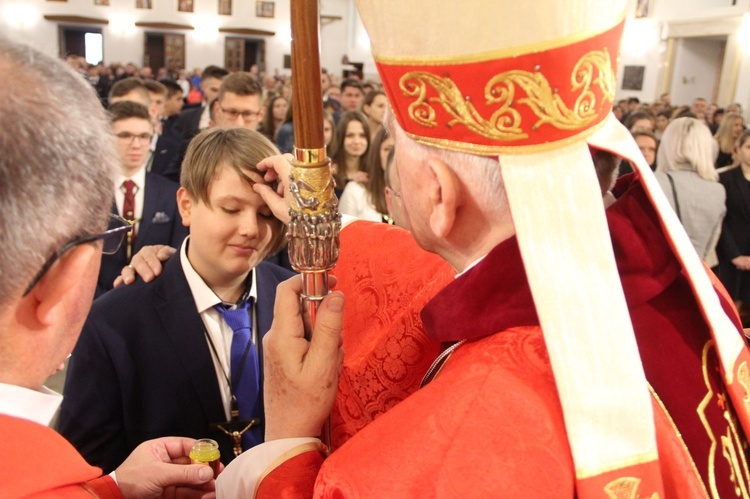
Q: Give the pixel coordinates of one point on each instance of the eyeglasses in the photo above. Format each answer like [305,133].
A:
[111,238]
[130,137]
[233,114]
[393,191]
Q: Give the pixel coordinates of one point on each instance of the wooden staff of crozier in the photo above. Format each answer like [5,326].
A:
[315,221]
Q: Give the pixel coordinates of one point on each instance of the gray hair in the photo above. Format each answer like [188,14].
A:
[687,143]
[480,174]
[57,163]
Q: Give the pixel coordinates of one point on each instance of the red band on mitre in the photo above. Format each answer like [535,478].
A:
[516,104]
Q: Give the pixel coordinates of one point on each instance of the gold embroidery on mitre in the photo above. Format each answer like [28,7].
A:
[733,447]
[626,488]
[594,69]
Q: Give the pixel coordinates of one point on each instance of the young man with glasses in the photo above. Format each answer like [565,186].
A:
[145,199]
[56,173]
[239,102]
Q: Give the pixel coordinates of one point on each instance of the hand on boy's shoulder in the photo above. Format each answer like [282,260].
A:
[147,264]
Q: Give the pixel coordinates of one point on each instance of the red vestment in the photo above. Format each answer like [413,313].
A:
[491,425]
[37,462]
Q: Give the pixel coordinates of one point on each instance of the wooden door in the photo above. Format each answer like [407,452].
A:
[234,53]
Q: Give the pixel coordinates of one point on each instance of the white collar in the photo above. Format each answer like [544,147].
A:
[203,296]
[138,177]
[470,266]
[37,406]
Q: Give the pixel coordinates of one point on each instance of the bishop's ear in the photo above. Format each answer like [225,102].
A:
[69,281]
[444,194]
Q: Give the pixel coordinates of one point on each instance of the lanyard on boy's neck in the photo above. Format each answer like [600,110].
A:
[235,428]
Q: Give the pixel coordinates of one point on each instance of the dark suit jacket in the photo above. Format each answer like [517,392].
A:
[142,368]
[187,124]
[160,224]
[735,234]
[168,155]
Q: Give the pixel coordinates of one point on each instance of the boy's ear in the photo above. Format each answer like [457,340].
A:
[184,205]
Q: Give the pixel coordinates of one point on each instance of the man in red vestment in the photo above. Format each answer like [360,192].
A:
[57,166]
[586,356]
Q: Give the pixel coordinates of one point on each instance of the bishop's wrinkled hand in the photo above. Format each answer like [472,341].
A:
[301,376]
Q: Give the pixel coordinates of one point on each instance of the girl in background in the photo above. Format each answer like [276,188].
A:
[734,244]
[726,137]
[374,108]
[367,200]
[349,153]
[274,117]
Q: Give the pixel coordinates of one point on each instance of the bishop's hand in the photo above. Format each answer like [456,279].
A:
[301,376]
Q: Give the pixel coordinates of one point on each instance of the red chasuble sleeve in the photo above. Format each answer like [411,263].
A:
[37,462]
[293,478]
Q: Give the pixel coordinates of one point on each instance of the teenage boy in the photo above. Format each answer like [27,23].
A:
[183,355]
[145,199]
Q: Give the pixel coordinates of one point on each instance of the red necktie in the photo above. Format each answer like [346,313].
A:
[128,212]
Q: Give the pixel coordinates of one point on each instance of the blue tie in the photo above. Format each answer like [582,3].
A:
[245,369]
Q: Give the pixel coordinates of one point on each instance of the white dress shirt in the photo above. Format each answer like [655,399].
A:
[217,330]
[37,406]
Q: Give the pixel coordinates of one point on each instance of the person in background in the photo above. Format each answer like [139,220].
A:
[274,116]
[145,199]
[374,108]
[238,102]
[733,250]
[57,167]
[639,120]
[132,89]
[349,152]
[193,120]
[726,137]
[660,123]
[716,118]
[687,176]
[352,95]
[367,200]
[648,144]
[329,129]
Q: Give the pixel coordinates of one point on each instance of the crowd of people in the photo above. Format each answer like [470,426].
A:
[505,338]
[697,153]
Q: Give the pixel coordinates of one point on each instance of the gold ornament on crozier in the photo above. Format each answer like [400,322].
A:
[315,223]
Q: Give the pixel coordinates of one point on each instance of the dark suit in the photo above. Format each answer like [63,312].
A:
[168,154]
[160,224]
[187,125]
[143,369]
[735,234]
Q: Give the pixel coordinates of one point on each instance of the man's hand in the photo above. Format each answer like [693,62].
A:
[161,468]
[276,168]
[300,376]
[742,262]
[147,264]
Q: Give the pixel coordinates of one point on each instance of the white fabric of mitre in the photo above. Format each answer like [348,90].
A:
[558,213]
[418,28]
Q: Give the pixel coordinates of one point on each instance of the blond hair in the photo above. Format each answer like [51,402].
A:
[240,149]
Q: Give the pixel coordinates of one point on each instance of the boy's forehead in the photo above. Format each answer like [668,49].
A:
[226,175]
